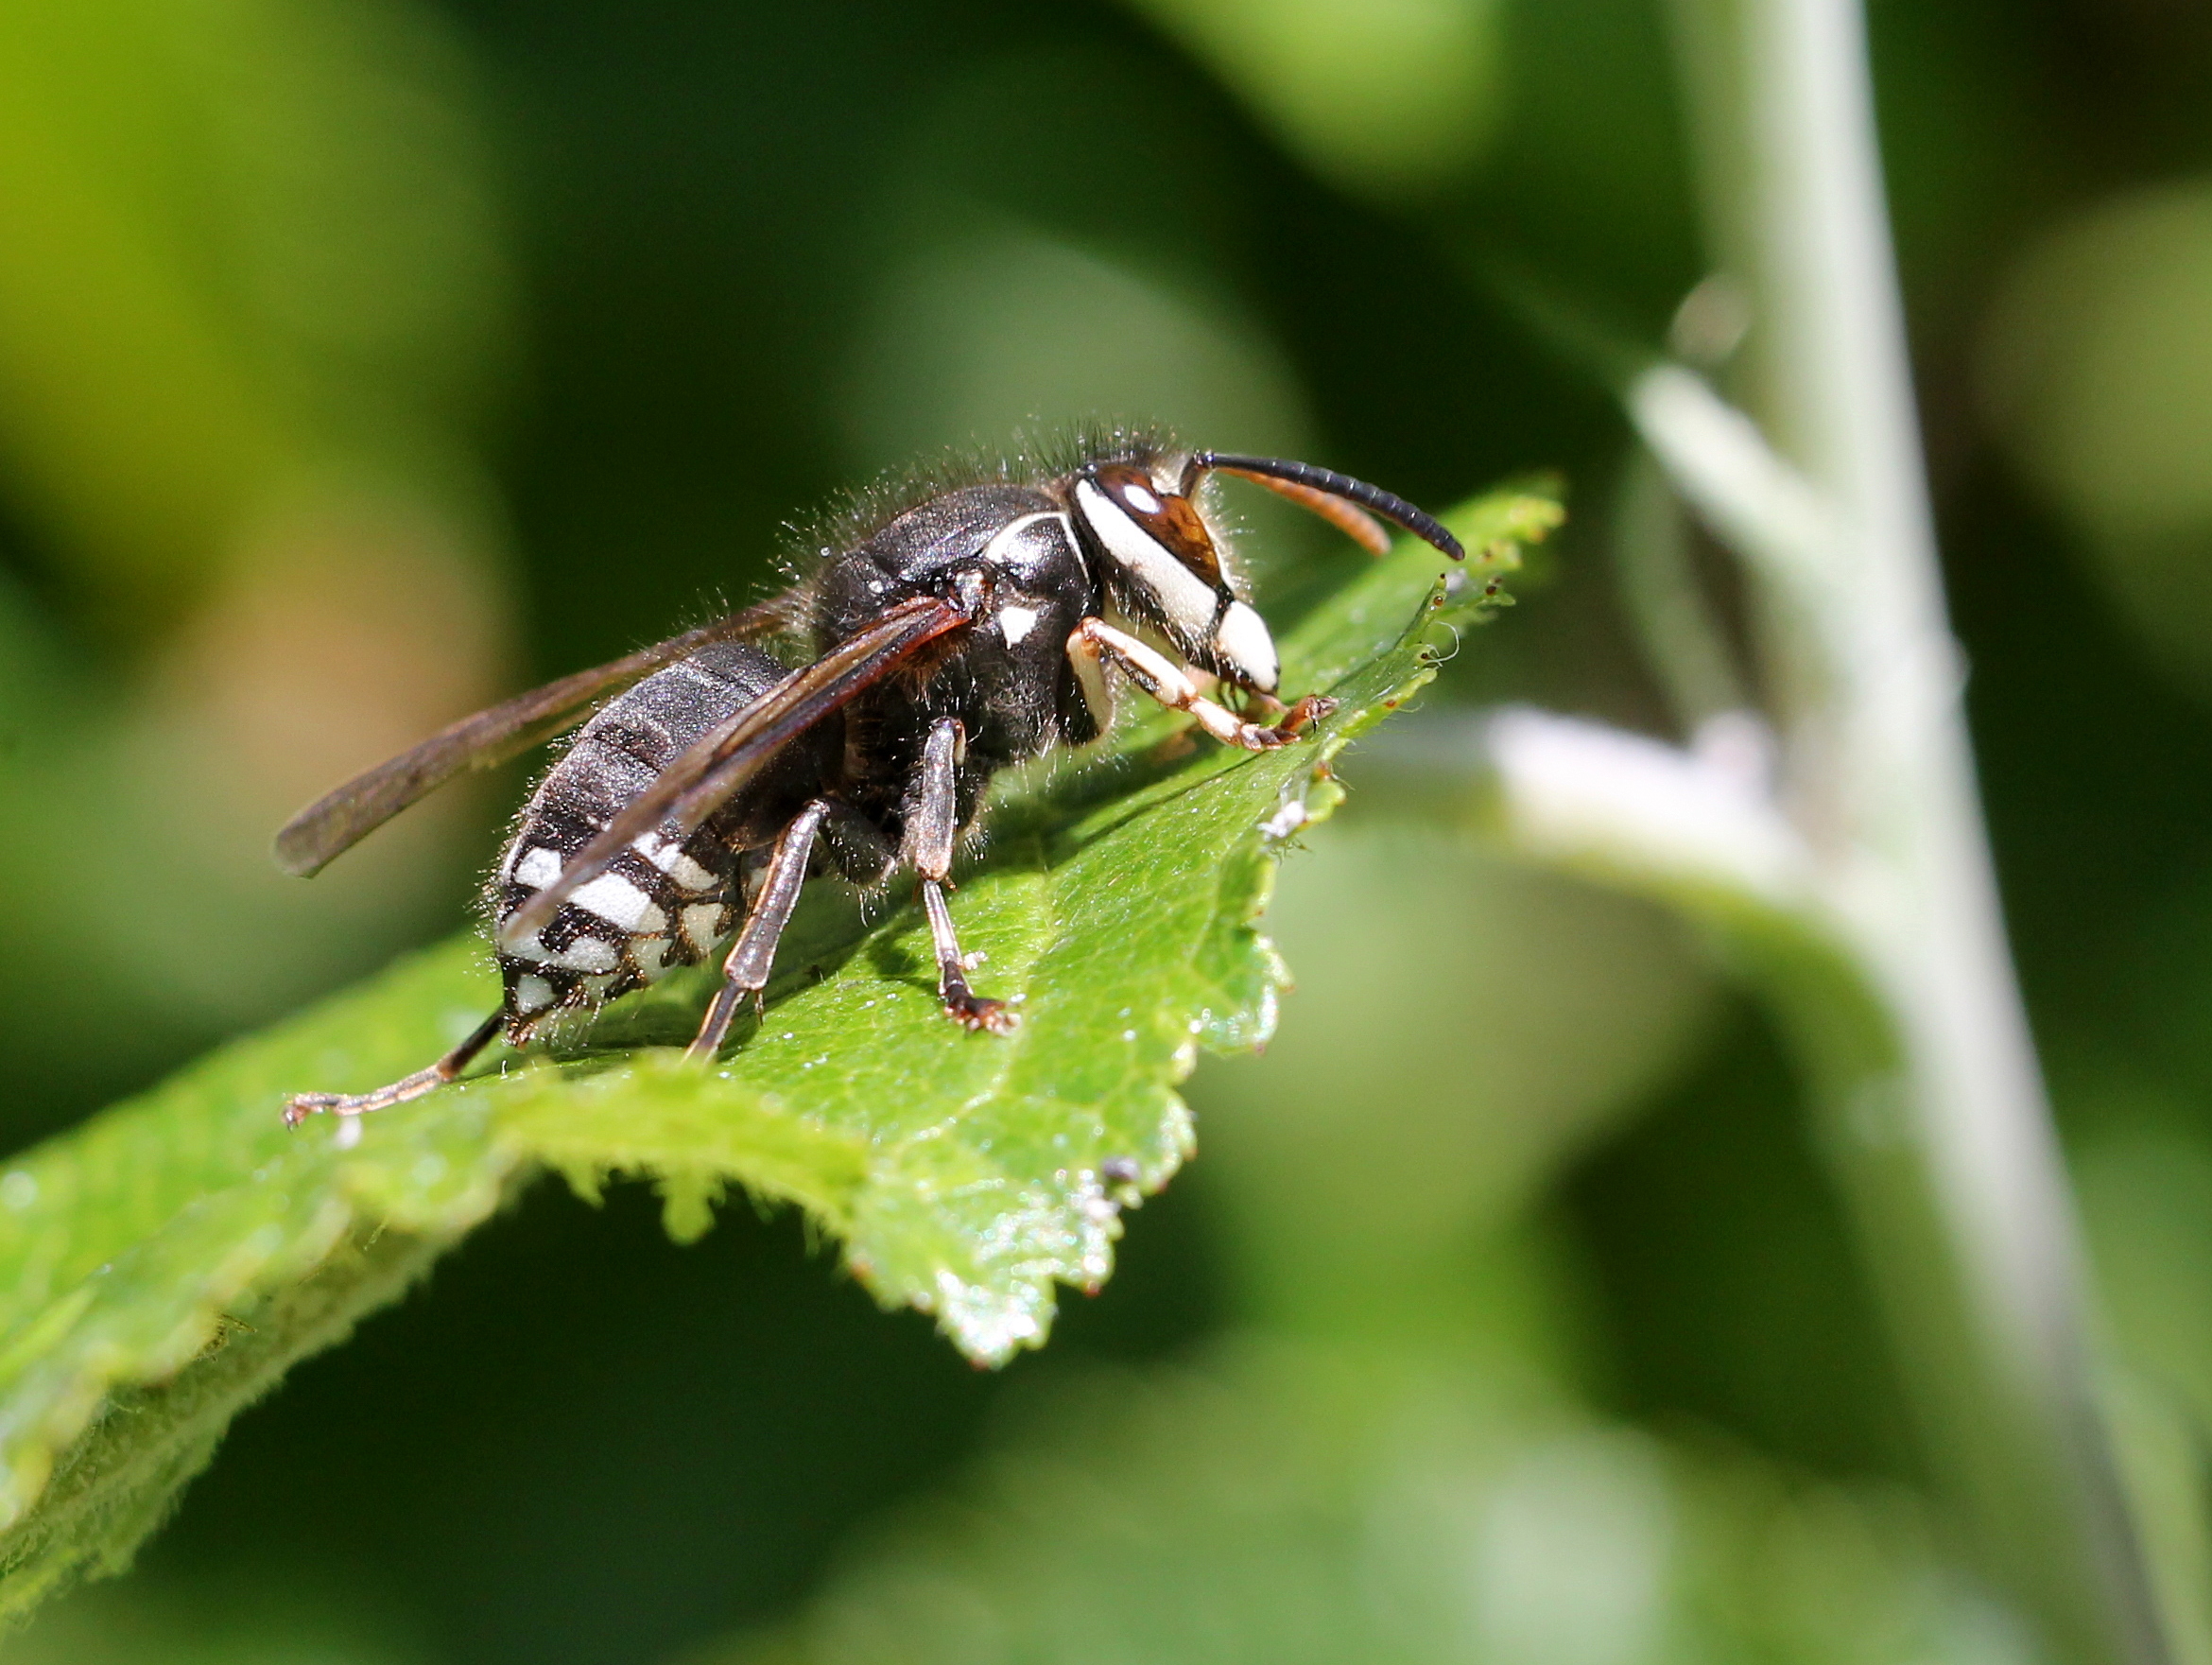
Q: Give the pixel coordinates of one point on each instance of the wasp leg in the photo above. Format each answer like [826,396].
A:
[745,970]
[302,1105]
[1169,683]
[932,825]
[856,846]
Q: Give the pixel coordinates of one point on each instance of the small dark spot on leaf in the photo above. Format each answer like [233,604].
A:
[226,1326]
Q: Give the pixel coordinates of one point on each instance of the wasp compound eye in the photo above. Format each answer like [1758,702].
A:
[1168,520]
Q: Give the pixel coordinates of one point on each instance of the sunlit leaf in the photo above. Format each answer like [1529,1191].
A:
[164,1264]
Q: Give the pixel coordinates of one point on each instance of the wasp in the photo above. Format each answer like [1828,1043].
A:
[957,628]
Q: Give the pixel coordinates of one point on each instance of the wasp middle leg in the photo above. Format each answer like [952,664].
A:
[932,826]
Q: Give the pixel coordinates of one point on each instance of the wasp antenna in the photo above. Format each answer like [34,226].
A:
[1341,513]
[1328,482]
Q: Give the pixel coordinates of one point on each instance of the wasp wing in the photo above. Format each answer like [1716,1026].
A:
[340,819]
[726,756]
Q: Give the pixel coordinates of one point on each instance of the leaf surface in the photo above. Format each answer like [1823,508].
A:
[162,1264]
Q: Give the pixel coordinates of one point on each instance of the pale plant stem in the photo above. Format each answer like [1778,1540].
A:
[1942,1137]
[1666,604]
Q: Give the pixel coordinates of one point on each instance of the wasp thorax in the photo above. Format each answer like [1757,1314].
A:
[1160,550]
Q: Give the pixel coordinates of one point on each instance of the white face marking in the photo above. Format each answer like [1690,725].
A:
[532,993]
[617,901]
[1186,601]
[1245,645]
[699,921]
[538,868]
[1016,623]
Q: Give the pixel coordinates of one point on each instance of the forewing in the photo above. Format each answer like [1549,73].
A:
[703,779]
[340,819]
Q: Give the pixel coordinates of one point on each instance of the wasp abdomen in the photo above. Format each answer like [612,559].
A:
[663,902]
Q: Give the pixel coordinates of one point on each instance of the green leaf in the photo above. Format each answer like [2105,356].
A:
[162,1265]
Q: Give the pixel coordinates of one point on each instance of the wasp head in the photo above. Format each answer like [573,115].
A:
[1162,562]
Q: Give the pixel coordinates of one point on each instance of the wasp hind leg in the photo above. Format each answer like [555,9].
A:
[302,1105]
[932,825]
[752,956]
[860,852]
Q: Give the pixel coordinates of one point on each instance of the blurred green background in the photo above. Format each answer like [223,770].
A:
[360,359]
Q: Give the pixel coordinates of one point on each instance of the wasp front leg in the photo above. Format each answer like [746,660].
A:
[932,826]
[1095,640]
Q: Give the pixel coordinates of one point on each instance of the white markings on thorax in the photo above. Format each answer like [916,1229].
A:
[1005,546]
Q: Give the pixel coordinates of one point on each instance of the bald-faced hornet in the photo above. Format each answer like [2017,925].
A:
[957,629]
